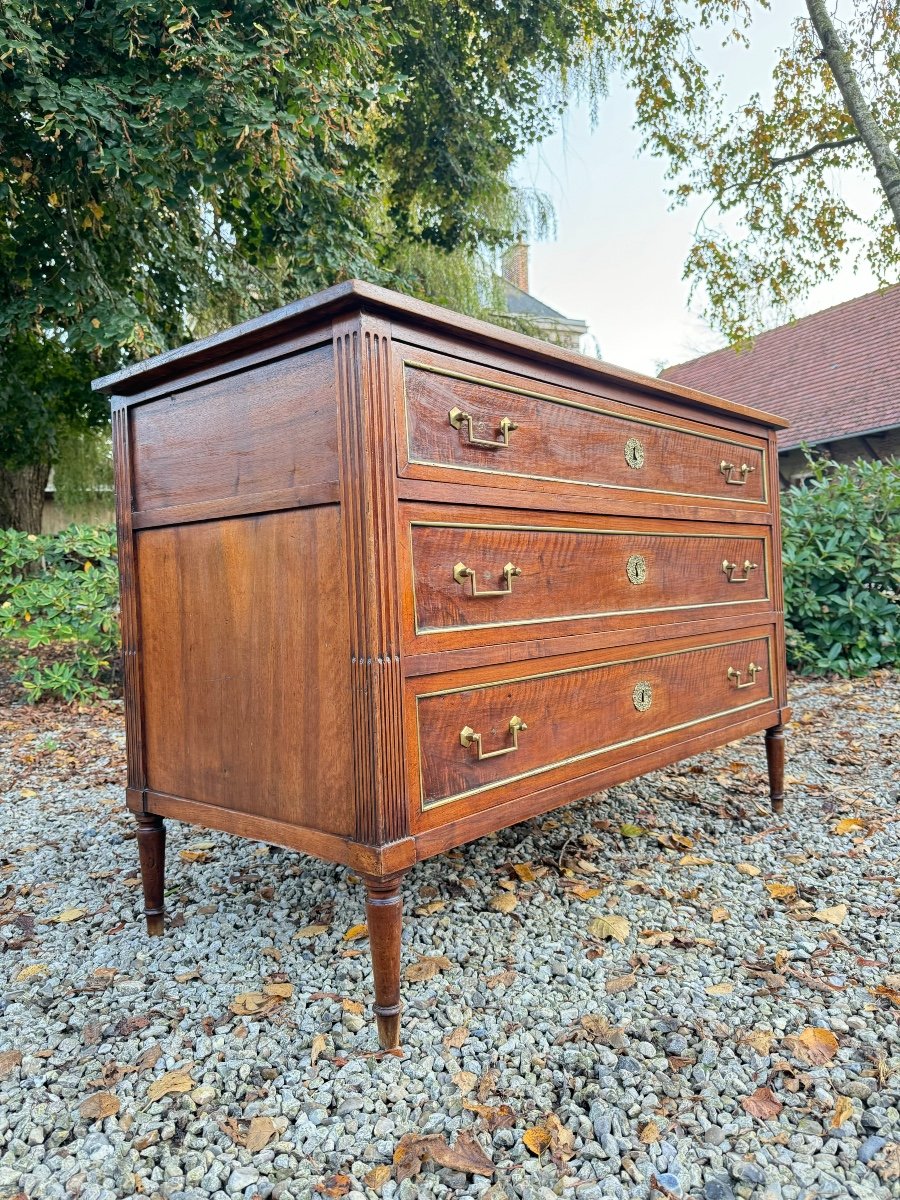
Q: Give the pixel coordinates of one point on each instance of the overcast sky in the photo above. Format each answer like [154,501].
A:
[619,252]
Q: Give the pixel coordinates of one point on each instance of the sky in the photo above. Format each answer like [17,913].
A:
[617,258]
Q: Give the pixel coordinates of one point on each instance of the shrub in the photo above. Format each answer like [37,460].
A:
[59,597]
[842,568]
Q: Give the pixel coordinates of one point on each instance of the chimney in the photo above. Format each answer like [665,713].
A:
[515,265]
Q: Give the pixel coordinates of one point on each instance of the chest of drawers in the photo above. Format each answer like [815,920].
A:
[393,579]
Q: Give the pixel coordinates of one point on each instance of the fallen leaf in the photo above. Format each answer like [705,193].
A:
[537,1139]
[464,1080]
[593,1027]
[581,891]
[843,1111]
[465,1154]
[501,979]
[98,1106]
[254,1004]
[657,937]
[67,915]
[562,1140]
[694,860]
[334,1186]
[495,1116]
[355,1007]
[504,902]
[719,914]
[377,1177]
[620,983]
[355,932]
[260,1133]
[32,970]
[649,1134]
[195,856]
[760,1039]
[427,910]
[832,916]
[887,1162]
[631,831]
[311,931]
[720,989]
[748,869]
[781,891]
[524,872]
[9,1060]
[813,1045]
[427,967]
[888,993]
[456,1037]
[610,926]
[170,1084]
[848,825]
[763,1104]
[317,1049]
[282,991]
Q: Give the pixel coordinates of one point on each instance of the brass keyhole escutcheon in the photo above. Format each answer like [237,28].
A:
[636,568]
[634,453]
[642,696]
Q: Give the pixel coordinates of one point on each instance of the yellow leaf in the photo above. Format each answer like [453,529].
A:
[650,1133]
[843,1110]
[465,1080]
[537,1139]
[98,1106]
[610,926]
[28,793]
[694,860]
[631,831]
[719,914]
[848,825]
[524,872]
[781,891]
[813,1045]
[720,989]
[31,971]
[748,869]
[582,892]
[504,902]
[311,931]
[832,916]
[356,931]
[377,1177]
[317,1049]
[198,856]
[69,914]
[170,1084]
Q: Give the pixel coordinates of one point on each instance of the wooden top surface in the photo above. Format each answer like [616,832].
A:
[355,294]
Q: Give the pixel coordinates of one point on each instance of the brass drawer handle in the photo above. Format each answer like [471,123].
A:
[458,418]
[735,676]
[726,468]
[461,573]
[468,737]
[730,568]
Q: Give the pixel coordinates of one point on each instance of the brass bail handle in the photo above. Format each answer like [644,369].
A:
[735,676]
[468,737]
[461,573]
[727,468]
[458,418]
[729,568]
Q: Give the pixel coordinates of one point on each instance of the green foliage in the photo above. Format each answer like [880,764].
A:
[842,568]
[59,598]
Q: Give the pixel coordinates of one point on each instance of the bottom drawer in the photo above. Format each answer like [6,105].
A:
[506,729]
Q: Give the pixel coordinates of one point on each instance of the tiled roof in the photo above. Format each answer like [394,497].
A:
[832,375]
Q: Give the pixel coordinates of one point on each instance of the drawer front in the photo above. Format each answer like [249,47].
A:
[518,728]
[469,576]
[508,434]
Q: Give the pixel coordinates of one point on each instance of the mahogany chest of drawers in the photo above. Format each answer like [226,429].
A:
[393,578]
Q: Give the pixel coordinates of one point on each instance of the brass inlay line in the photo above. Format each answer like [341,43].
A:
[737,440]
[426,806]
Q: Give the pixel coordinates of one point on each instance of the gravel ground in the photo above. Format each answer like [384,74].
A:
[726,1037]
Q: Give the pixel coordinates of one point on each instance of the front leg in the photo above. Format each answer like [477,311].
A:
[151,839]
[775,762]
[384,917]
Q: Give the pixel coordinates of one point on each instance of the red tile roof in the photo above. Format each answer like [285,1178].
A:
[832,375]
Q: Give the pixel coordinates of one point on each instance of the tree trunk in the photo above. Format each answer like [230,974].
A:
[22,497]
[887,163]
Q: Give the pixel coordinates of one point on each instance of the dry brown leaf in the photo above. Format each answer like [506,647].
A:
[832,916]
[335,1186]
[657,937]
[719,913]
[562,1143]
[67,915]
[495,1116]
[427,910]
[887,1162]
[456,1037]
[694,860]
[848,825]
[760,1039]
[763,1104]
[502,979]
[813,1045]
[254,1004]
[99,1106]
[610,926]
[504,902]
[524,872]
[353,1006]
[377,1177]
[9,1060]
[195,856]
[888,993]
[281,991]
[581,891]
[620,983]
[748,869]
[170,1084]
[311,931]
[465,1154]
[317,1049]
[843,1111]
[537,1139]
[260,1132]
[355,932]
[427,967]
[720,989]
[781,891]
[649,1134]
[464,1080]
[593,1027]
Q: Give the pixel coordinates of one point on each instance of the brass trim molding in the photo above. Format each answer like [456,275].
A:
[737,440]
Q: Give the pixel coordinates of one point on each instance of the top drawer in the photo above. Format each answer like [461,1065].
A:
[459,426]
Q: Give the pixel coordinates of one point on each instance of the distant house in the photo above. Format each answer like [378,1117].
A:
[834,375]
[548,323]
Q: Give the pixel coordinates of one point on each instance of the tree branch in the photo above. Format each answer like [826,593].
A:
[811,150]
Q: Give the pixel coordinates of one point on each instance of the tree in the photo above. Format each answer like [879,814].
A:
[771,172]
[165,170]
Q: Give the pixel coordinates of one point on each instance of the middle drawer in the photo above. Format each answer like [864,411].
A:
[482,576]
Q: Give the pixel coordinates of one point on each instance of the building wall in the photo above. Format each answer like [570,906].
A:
[792,463]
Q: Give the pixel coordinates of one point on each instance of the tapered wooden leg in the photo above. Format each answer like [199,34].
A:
[151,839]
[384,916]
[775,761]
